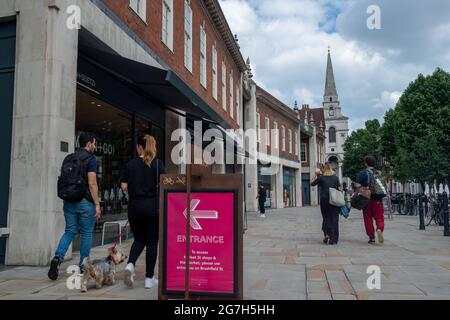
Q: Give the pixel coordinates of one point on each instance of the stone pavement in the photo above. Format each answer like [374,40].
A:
[284,258]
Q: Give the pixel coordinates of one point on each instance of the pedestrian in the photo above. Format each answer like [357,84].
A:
[140,178]
[262,197]
[375,208]
[81,201]
[326,178]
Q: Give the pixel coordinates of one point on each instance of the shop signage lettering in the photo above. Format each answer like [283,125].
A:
[101,147]
[84,78]
[212,242]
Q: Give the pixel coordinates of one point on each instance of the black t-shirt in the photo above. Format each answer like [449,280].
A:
[262,194]
[325,183]
[142,180]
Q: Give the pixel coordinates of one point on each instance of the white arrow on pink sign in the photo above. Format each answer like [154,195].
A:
[199,214]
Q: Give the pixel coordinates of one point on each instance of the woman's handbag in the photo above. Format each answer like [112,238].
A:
[361,197]
[337,198]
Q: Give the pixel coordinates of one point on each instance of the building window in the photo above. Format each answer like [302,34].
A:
[224,86]
[187,36]
[167,23]
[276,137]
[296,143]
[214,71]
[258,121]
[231,95]
[290,140]
[332,135]
[267,131]
[140,7]
[303,154]
[203,56]
[238,105]
[283,138]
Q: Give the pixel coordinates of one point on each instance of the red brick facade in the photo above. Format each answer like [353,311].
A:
[151,30]
[270,107]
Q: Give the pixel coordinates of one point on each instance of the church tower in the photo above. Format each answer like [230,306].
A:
[336,123]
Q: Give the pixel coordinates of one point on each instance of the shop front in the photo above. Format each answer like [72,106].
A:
[7,71]
[289,191]
[269,183]
[118,100]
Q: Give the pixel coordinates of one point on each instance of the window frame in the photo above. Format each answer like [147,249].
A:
[167,37]
[215,79]
[267,132]
[303,144]
[231,95]
[258,126]
[290,140]
[276,138]
[188,36]
[203,61]
[224,86]
[330,136]
[140,8]
[283,138]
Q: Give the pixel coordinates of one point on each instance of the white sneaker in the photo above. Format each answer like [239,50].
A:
[263,216]
[150,282]
[129,275]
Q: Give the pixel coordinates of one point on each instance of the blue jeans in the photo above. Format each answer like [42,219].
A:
[80,218]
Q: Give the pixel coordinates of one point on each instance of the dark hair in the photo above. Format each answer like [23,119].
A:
[85,138]
[370,161]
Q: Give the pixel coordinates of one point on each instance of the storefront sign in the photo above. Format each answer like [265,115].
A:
[101,147]
[86,80]
[213,263]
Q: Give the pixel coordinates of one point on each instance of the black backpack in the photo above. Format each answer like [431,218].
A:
[72,183]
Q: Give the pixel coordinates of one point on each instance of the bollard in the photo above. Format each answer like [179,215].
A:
[421,216]
[445,214]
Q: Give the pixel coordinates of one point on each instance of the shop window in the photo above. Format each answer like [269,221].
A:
[113,129]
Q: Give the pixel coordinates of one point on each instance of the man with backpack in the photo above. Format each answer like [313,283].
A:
[371,179]
[77,186]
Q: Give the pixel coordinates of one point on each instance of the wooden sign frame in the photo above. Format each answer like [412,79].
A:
[201,180]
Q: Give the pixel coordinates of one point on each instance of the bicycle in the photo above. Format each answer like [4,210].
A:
[435,211]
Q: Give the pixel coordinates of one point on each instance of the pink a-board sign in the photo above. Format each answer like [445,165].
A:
[212,245]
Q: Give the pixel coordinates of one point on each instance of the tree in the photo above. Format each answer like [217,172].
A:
[361,143]
[416,134]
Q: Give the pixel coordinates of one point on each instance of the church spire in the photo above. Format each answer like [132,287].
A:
[330,85]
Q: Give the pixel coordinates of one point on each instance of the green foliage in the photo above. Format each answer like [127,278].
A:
[415,136]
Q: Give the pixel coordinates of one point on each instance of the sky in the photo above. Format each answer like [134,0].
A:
[287,42]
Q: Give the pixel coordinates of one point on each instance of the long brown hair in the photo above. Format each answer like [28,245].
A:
[148,143]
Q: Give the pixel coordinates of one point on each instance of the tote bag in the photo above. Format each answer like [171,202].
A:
[337,198]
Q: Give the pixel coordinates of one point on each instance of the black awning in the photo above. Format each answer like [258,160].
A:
[162,86]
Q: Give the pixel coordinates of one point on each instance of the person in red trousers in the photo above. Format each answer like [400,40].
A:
[375,208]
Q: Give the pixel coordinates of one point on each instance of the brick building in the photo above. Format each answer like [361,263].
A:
[114,68]
[278,143]
[312,149]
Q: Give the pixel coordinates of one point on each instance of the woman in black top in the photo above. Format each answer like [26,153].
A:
[140,178]
[330,214]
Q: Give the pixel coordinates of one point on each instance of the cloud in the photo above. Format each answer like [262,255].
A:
[387,100]
[287,42]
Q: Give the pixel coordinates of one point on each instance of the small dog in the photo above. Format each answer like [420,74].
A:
[103,271]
